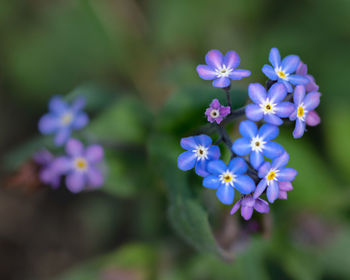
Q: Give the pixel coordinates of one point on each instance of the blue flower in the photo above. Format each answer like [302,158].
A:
[199,153]
[282,72]
[268,105]
[225,178]
[63,119]
[221,68]
[257,143]
[303,107]
[272,174]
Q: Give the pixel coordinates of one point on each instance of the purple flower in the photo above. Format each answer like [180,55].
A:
[63,119]
[303,105]
[268,105]
[302,71]
[226,178]
[199,153]
[257,143]
[272,174]
[221,68]
[81,166]
[216,112]
[282,71]
[284,187]
[48,174]
[247,204]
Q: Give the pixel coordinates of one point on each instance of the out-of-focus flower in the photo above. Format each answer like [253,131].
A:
[272,174]
[221,68]
[302,71]
[62,119]
[199,153]
[226,178]
[257,143]
[216,112]
[81,166]
[48,174]
[303,105]
[248,204]
[284,187]
[268,105]
[282,72]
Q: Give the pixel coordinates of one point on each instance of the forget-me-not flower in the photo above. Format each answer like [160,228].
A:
[248,204]
[216,112]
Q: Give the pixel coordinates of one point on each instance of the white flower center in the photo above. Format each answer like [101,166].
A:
[281,74]
[272,175]
[201,152]
[214,113]
[223,71]
[227,178]
[268,107]
[257,144]
[66,118]
[301,112]
[80,164]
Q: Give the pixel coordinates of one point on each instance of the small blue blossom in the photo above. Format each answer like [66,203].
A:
[272,174]
[304,104]
[268,105]
[221,68]
[199,153]
[226,178]
[62,119]
[257,143]
[282,72]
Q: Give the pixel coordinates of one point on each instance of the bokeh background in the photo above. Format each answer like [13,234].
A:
[135,63]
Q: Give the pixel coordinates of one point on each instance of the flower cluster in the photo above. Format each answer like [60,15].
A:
[80,166]
[258,164]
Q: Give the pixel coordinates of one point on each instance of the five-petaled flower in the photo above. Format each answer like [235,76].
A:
[81,166]
[272,174]
[248,204]
[257,143]
[63,119]
[225,178]
[268,105]
[303,105]
[221,68]
[216,112]
[283,71]
[199,153]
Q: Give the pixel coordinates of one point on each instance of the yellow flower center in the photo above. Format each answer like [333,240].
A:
[80,164]
[271,175]
[66,118]
[281,74]
[227,178]
[300,111]
[268,107]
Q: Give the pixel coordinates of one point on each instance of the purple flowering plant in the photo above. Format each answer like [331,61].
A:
[258,163]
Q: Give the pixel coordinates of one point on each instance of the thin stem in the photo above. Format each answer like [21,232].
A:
[228,96]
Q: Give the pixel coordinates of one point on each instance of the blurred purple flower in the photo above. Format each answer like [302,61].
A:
[221,68]
[284,187]
[248,204]
[216,112]
[62,119]
[302,71]
[48,173]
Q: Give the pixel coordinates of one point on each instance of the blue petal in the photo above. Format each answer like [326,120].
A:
[290,63]
[297,80]
[244,184]
[213,153]
[221,82]
[277,93]
[260,188]
[206,72]
[284,109]
[269,72]
[256,159]
[254,112]
[239,74]
[201,168]
[275,57]
[248,129]
[299,94]
[57,105]
[281,161]
[299,129]
[62,136]
[287,85]
[225,194]
[287,174]
[264,169]
[268,132]
[312,100]
[231,59]
[242,146]
[80,121]
[188,143]
[214,58]
[48,124]
[237,165]
[272,191]
[211,182]
[272,150]
[272,119]
[203,140]
[186,160]
[216,167]
[257,93]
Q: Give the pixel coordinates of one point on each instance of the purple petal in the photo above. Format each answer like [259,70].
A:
[80,121]
[287,174]
[48,124]
[225,194]
[235,207]
[302,69]
[260,188]
[273,119]
[57,105]
[246,212]
[273,150]
[201,168]
[311,85]
[248,129]
[242,146]
[188,143]
[313,119]
[268,132]
[215,104]
[221,82]
[231,59]
[206,72]
[239,74]
[281,161]
[186,160]
[261,206]
[216,167]
[62,136]
[224,111]
[312,100]
[275,57]
[299,94]
[254,112]
[213,152]
[290,63]
[285,186]
[94,153]
[95,177]
[285,109]
[282,195]
[272,191]
[256,159]
[297,80]
[264,169]
[277,93]
[61,165]
[244,184]
[43,157]
[203,140]
[257,93]
[269,72]
[214,58]
[237,165]
[74,147]
[299,129]
[211,182]
[76,181]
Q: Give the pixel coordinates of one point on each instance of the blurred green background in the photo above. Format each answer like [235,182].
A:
[135,63]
